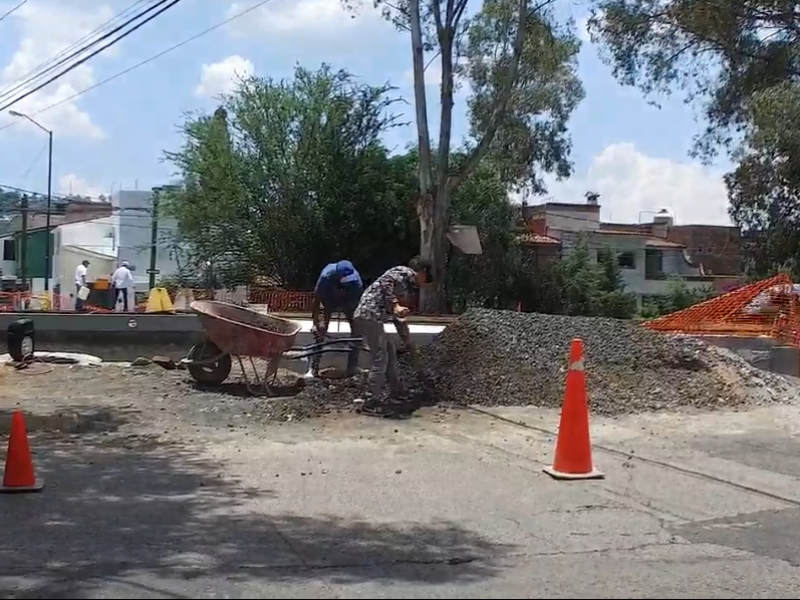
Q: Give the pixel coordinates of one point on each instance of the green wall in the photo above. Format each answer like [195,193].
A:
[36,246]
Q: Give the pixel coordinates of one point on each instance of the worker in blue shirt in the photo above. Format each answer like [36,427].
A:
[338,288]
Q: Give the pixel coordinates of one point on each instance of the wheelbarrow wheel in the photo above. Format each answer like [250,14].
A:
[209,371]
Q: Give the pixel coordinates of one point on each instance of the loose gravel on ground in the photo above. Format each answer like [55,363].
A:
[490,358]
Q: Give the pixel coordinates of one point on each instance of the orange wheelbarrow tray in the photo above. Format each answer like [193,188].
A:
[236,331]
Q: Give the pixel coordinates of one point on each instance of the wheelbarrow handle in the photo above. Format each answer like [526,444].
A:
[326,344]
[298,352]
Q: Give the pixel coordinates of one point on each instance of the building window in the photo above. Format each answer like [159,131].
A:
[653,264]
[626,260]
[9,250]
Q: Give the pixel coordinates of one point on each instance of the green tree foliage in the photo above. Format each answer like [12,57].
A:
[576,284]
[612,299]
[288,175]
[594,288]
[738,62]
[678,297]
[764,187]
[483,280]
[717,52]
[521,68]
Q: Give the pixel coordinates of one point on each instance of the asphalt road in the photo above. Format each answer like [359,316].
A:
[446,505]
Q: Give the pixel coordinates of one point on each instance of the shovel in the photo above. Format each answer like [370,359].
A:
[412,350]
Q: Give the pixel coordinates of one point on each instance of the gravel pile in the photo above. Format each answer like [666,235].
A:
[509,358]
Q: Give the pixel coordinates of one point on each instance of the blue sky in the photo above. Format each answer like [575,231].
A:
[635,155]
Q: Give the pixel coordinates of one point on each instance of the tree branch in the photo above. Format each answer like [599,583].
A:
[500,104]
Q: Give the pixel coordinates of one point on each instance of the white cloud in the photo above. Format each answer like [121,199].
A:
[309,18]
[630,184]
[45,28]
[71,184]
[221,77]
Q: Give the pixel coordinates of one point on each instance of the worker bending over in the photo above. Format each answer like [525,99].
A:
[338,288]
[386,300]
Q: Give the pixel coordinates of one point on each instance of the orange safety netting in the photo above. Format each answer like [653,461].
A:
[769,308]
[280,301]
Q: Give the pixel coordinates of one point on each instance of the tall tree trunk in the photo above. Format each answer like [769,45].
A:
[420,100]
[433,226]
[426,206]
[434,216]
[434,203]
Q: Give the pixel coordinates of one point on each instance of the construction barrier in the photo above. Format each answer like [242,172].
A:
[158,301]
[162,300]
[768,308]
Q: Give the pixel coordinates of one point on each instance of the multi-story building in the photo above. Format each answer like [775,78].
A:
[649,254]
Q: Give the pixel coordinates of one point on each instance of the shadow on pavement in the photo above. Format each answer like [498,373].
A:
[134,509]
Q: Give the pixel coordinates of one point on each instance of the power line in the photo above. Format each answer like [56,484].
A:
[93,54]
[75,44]
[11,11]
[47,67]
[35,160]
[145,61]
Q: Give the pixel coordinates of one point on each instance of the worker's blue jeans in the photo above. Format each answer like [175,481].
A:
[124,293]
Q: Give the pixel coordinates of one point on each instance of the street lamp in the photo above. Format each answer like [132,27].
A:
[48,250]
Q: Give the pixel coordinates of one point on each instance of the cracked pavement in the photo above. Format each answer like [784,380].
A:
[446,505]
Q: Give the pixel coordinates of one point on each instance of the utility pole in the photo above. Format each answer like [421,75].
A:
[48,252]
[23,247]
[152,271]
[48,260]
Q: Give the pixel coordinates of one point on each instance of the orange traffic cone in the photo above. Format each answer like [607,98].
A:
[573,459]
[19,476]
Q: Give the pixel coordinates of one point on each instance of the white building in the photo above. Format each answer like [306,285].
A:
[133,211]
[85,232]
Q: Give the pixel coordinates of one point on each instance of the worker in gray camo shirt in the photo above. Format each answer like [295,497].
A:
[380,303]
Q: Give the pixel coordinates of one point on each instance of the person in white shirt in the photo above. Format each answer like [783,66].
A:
[121,282]
[80,281]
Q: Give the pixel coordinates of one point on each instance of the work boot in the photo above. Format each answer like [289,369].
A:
[399,395]
[368,405]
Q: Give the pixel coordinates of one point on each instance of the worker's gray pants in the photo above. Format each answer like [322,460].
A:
[382,355]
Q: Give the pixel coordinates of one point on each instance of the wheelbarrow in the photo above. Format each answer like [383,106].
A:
[236,331]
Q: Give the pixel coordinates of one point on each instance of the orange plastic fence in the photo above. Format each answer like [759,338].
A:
[14,301]
[276,300]
[765,308]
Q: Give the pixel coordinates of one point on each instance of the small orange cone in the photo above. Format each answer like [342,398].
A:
[573,459]
[19,476]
